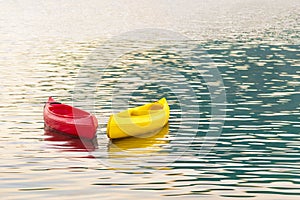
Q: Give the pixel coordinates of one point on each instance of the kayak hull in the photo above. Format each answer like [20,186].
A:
[138,121]
[69,120]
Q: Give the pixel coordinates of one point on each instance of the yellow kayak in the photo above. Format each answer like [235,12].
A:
[139,120]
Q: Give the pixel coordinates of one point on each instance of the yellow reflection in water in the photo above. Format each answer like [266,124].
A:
[133,146]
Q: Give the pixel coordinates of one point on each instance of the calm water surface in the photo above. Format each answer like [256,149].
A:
[61,50]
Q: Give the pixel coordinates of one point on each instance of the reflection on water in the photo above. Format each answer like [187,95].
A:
[64,142]
[255,157]
[145,146]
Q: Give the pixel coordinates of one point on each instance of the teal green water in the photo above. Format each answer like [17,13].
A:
[233,89]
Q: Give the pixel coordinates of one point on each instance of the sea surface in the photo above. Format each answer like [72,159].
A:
[229,69]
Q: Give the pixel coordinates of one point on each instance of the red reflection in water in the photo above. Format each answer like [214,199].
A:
[65,142]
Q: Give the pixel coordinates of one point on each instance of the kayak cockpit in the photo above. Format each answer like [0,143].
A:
[149,111]
[66,111]
[141,110]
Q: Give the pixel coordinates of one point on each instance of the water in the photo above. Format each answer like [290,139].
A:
[233,135]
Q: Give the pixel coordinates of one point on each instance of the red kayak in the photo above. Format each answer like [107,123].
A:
[69,120]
